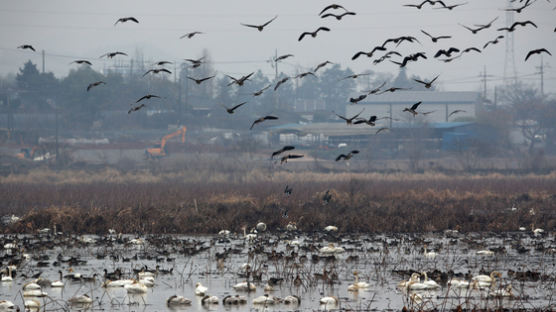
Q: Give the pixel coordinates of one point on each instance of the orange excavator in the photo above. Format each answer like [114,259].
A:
[159,150]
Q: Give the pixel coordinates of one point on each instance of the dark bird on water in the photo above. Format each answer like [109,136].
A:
[284,159]
[283,149]
[94,84]
[113,54]
[80,62]
[358,99]
[428,85]
[136,108]
[338,17]
[147,97]
[322,65]
[231,110]
[263,119]
[537,51]
[280,82]
[26,46]
[447,53]
[260,27]
[332,7]
[313,34]
[199,81]
[435,39]
[350,120]
[239,81]
[348,156]
[413,108]
[191,34]
[156,71]
[126,19]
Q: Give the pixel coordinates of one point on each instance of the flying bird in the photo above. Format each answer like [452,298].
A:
[368,54]
[136,108]
[386,56]
[435,39]
[348,156]
[191,34]
[537,51]
[413,108]
[428,85]
[113,54]
[80,62]
[262,119]
[518,10]
[380,130]
[94,84]
[260,27]
[514,25]
[195,63]
[471,49]
[456,111]
[282,57]
[27,46]
[393,89]
[412,57]
[313,34]
[284,159]
[349,121]
[162,63]
[451,7]
[332,7]
[448,52]
[279,83]
[199,81]
[147,97]
[231,110]
[322,65]
[261,91]
[283,149]
[376,90]
[239,81]
[495,41]
[358,99]
[371,121]
[355,76]
[156,71]
[338,17]
[126,19]
[302,75]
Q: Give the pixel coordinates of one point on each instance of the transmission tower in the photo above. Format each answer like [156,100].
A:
[510,72]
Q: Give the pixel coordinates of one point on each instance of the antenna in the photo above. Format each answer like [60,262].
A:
[510,72]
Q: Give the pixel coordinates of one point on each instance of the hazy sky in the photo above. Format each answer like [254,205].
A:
[68,30]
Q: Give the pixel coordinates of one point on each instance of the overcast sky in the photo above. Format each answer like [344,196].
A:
[69,30]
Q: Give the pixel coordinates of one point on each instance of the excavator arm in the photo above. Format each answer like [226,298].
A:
[160,151]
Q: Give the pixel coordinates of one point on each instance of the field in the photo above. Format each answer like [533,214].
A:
[206,200]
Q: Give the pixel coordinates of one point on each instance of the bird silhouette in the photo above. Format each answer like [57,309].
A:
[380,130]
[260,27]
[280,82]
[514,25]
[413,108]
[355,76]
[147,97]
[447,53]
[113,54]
[327,197]
[412,57]
[305,74]
[282,57]
[428,85]
[191,34]
[126,19]
[338,17]
[358,99]
[377,89]
[393,89]
[456,112]
[284,159]
[231,110]
[199,81]
[495,41]
[368,54]
[479,27]
[347,156]
[435,39]
[314,33]
[283,149]
[350,120]
[321,65]
[195,63]
[156,71]
[262,119]
[136,108]
[386,56]
[27,46]
[518,10]
[450,7]
[80,62]
[261,91]
[332,7]
[470,49]
[537,51]
[162,63]
[94,84]
[239,81]
[371,121]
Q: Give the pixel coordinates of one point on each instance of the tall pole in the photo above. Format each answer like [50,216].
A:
[42,61]
[541,68]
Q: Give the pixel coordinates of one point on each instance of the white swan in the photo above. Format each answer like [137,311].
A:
[331,249]
[266,299]
[357,284]
[330,300]
[485,252]
[430,254]
[58,283]
[292,300]
[405,284]
[117,283]
[6,305]
[147,281]
[32,305]
[34,293]
[209,300]
[224,233]
[136,288]
[200,290]
[331,228]
[245,286]
[31,286]
[177,300]
[457,283]
[83,299]
[483,281]
[430,283]
[261,227]
[7,278]
[504,292]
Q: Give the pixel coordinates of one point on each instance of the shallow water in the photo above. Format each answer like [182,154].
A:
[377,259]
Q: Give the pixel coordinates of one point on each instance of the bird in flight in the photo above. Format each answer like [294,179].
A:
[279,83]
[156,71]
[199,81]
[456,112]
[112,54]
[190,35]
[195,63]
[126,19]
[495,41]
[261,91]
[386,56]
[358,99]
[239,81]
[380,130]
[332,7]
[413,108]
[27,46]
[368,54]
[147,97]
[450,7]
[479,27]
[393,89]
[284,159]
[412,57]
[376,90]
[231,110]
[471,49]
[349,121]
[338,17]
[282,57]
[314,33]
[283,149]
[537,51]
[355,76]
[435,39]
[136,108]
[263,119]
[94,84]
[448,52]
[518,10]
[260,27]
[348,156]
[162,63]
[305,74]
[371,121]
[80,62]
[514,25]
[428,85]
[322,65]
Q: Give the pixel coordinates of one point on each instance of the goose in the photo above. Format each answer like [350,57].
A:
[266,299]
[292,299]
[245,286]
[209,300]
[26,46]
[234,300]
[330,300]
[200,290]
[136,288]
[177,300]
[32,305]
[6,305]
[58,283]
[262,26]
[83,299]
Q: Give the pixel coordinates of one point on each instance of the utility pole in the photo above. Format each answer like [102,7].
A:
[483,75]
[42,61]
[541,72]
